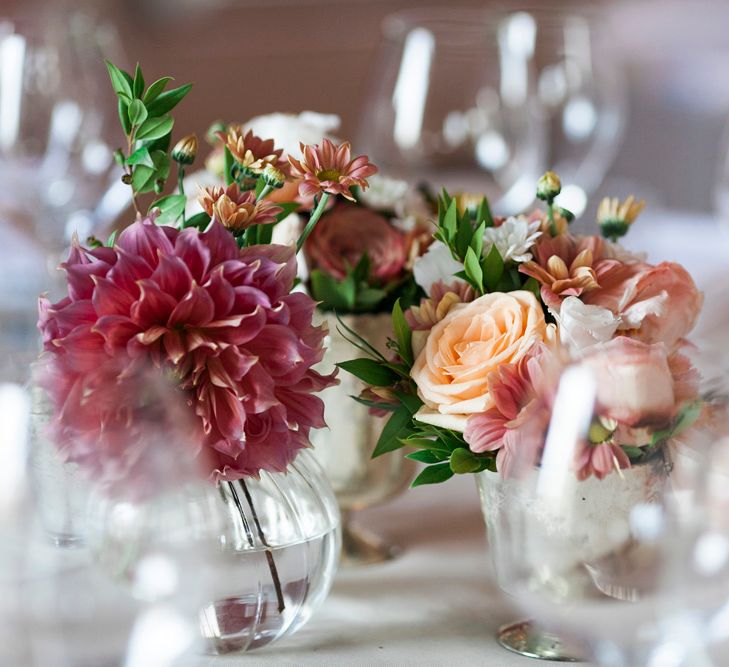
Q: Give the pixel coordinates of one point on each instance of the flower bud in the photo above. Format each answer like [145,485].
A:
[273,176]
[548,186]
[185,150]
[599,432]
[615,217]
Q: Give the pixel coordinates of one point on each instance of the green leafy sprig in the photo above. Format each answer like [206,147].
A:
[144,114]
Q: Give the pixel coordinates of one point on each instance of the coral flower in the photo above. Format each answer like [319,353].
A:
[329,168]
[252,152]
[567,266]
[237,210]
[220,320]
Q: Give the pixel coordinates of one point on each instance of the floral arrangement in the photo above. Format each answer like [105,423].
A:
[473,369]
[206,299]
[360,256]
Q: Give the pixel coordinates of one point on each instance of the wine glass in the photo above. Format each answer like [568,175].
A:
[581,92]
[454,103]
[620,565]
[55,161]
[487,101]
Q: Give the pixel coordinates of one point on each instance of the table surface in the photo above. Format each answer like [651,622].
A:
[437,603]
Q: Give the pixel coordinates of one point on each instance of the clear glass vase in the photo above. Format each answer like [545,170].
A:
[345,448]
[252,559]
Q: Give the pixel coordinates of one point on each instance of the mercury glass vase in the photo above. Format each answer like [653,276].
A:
[345,448]
[252,559]
[592,527]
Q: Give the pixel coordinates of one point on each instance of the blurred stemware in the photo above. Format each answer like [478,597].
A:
[55,162]
[487,101]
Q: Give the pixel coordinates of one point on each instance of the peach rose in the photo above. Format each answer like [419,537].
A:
[469,343]
[635,385]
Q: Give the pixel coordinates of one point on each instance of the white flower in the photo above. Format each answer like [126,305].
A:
[287,130]
[384,193]
[436,265]
[582,326]
[513,238]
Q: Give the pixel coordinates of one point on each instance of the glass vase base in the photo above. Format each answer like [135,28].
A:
[360,547]
[531,641]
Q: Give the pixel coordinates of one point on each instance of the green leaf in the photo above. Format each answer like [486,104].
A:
[440,472]
[483,213]
[493,267]
[426,456]
[463,235]
[464,461]
[154,128]
[361,272]
[138,85]
[140,156]
[403,334]
[169,100]
[533,286]
[199,220]
[632,452]
[410,401]
[112,239]
[143,179]
[161,163]
[370,371]
[119,82]
[450,222]
[390,407]
[260,184]
[137,113]
[327,290]
[477,240]
[155,89]
[171,208]
[368,298]
[123,108]
[472,267]
[395,429]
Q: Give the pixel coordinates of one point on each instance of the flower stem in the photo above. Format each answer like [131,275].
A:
[181,188]
[266,189]
[228,166]
[313,219]
[269,553]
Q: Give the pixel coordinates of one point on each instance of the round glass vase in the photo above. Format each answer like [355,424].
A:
[345,448]
[254,557]
[595,526]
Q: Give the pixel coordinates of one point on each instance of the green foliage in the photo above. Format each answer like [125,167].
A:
[143,115]
[403,334]
[170,208]
[373,373]
[199,221]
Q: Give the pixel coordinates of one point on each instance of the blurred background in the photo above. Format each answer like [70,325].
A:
[618,97]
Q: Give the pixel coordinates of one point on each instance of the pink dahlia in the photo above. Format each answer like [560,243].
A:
[346,233]
[220,320]
[329,168]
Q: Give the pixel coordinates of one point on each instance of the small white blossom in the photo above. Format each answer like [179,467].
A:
[436,265]
[287,130]
[513,238]
[384,193]
[581,325]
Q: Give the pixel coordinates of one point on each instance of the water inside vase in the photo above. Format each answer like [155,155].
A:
[251,618]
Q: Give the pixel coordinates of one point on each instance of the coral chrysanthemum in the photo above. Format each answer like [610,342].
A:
[237,210]
[329,168]
[251,152]
[220,320]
